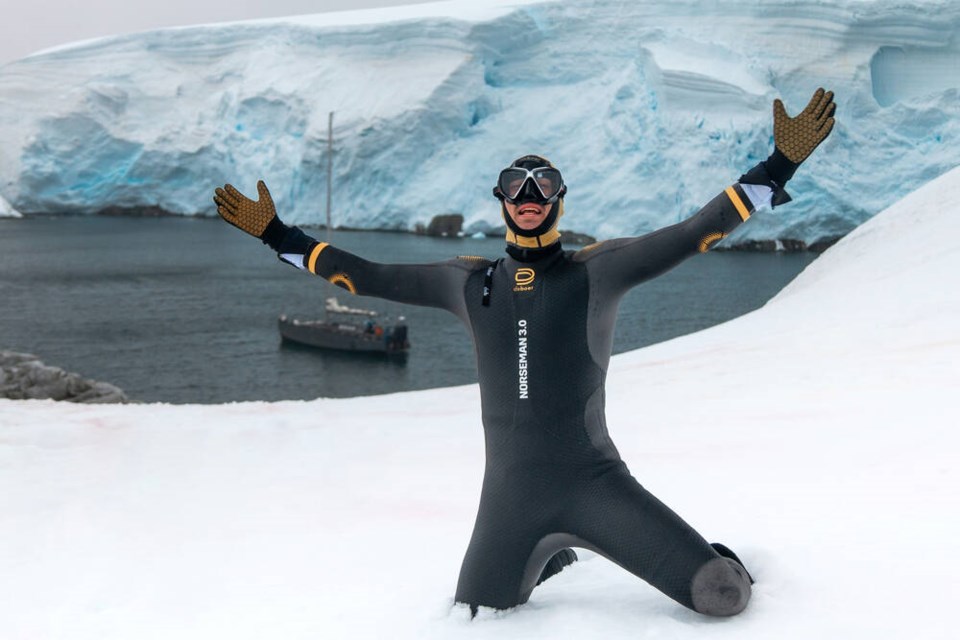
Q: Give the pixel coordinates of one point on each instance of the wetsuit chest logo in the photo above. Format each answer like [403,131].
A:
[523,279]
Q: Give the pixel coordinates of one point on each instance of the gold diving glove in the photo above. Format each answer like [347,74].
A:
[256,217]
[252,216]
[794,139]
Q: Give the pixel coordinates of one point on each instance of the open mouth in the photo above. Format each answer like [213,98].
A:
[529,210]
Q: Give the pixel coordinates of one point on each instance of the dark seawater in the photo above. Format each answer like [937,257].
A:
[185,310]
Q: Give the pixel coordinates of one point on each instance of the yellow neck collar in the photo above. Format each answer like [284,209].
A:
[543,240]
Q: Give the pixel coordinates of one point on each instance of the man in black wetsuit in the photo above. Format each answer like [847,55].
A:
[542,320]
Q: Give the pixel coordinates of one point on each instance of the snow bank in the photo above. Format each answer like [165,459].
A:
[816,436]
[650,109]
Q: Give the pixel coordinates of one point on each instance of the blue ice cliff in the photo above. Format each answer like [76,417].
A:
[649,109]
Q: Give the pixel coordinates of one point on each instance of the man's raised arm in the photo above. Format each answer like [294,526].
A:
[436,285]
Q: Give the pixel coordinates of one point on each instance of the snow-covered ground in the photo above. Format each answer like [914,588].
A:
[816,436]
[649,108]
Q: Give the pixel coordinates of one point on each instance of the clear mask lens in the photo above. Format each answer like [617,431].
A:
[546,180]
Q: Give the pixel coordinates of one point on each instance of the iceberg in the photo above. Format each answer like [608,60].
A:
[649,108]
[7,210]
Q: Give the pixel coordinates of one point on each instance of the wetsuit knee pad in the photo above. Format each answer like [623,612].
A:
[721,587]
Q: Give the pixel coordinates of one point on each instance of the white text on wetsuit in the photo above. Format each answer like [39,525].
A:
[522,358]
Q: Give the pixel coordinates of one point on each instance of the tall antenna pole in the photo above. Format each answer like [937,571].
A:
[329,171]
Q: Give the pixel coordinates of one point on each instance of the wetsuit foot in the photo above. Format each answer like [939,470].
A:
[721,587]
[555,565]
[727,553]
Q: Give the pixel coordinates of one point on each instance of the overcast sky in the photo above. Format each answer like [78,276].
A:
[31,25]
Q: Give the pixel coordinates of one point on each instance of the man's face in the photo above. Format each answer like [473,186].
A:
[528,215]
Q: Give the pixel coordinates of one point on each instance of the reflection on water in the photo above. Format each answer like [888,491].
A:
[185,310]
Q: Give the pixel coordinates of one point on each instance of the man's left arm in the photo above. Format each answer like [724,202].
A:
[626,262]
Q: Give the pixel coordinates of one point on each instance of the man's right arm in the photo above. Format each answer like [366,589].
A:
[436,285]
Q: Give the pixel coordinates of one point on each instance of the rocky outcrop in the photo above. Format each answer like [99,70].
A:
[447,225]
[786,245]
[575,238]
[24,376]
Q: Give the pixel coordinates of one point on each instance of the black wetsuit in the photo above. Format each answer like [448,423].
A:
[542,323]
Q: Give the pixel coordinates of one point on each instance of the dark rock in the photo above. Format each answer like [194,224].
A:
[146,211]
[793,246]
[574,238]
[787,245]
[446,225]
[823,244]
[23,377]
[754,246]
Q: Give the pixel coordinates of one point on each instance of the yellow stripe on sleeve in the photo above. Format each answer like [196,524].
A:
[343,280]
[312,262]
[709,240]
[738,203]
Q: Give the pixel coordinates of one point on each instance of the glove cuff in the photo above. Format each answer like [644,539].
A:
[274,234]
[295,241]
[761,175]
[779,167]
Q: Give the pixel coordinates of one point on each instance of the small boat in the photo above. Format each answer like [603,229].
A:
[347,329]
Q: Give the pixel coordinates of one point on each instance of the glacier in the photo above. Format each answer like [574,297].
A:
[650,109]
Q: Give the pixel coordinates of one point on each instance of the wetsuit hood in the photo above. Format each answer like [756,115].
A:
[546,233]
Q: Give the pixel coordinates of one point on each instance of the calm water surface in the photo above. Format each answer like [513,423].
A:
[185,310]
